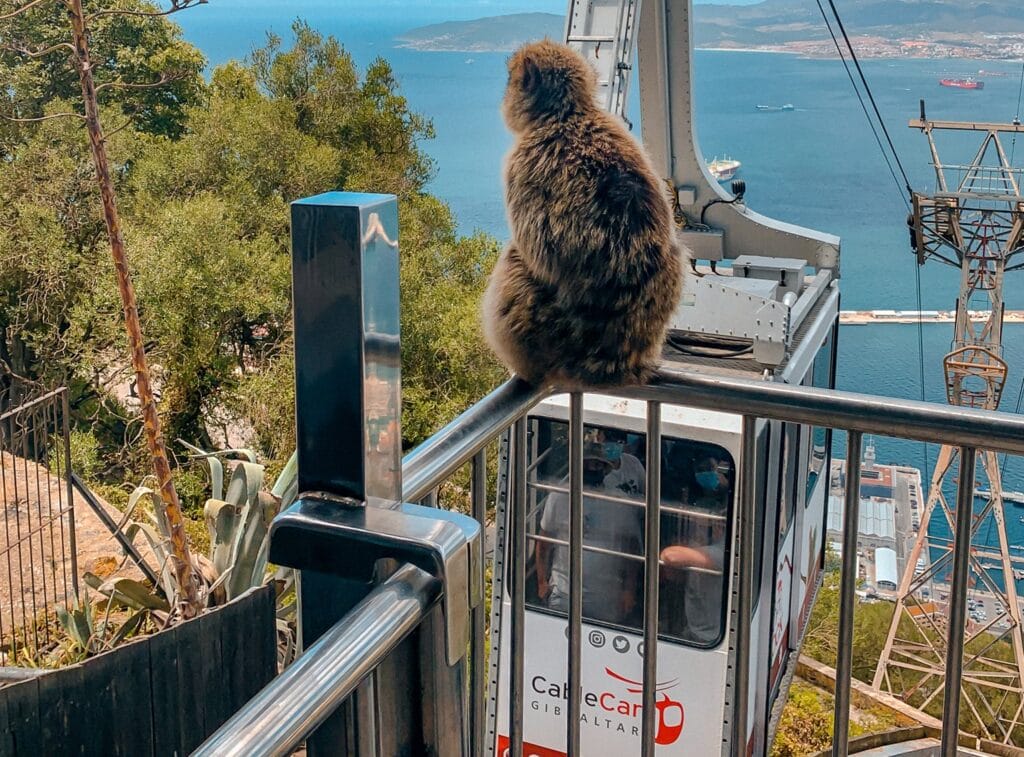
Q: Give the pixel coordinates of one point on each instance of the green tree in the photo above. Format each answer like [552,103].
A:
[129,48]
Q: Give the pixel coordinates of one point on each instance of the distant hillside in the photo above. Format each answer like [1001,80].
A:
[494,34]
[779,21]
[969,28]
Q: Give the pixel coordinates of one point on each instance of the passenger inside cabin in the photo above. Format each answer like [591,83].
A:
[693,567]
[609,588]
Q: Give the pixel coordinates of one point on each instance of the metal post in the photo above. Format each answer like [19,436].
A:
[477,681]
[958,601]
[652,542]
[844,661]
[575,571]
[518,645]
[347,403]
[69,488]
[744,600]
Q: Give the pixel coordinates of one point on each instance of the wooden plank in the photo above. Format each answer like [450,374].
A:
[266,633]
[165,693]
[79,708]
[23,718]
[191,683]
[95,704]
[209,666]
[56,709]
[132,701]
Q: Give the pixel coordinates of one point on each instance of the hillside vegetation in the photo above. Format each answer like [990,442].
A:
[205,169]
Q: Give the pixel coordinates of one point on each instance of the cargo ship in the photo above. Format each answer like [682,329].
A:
[962,83]
[775,108]
[724,169]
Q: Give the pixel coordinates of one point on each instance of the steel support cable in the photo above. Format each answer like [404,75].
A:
[1016,117]
[863,105]
[871,97]
[892,172]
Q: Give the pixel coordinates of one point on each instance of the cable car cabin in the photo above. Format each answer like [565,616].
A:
[700,459]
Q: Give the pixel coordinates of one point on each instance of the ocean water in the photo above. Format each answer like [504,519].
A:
[817,166]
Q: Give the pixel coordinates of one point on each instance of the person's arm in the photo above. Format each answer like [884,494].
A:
[679,556]
[543,567]
[554,514]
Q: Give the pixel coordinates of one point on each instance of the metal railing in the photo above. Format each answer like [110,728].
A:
[505,409]
[38,562]
[372,622]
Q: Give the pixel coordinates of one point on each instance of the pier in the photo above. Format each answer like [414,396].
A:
[864,317]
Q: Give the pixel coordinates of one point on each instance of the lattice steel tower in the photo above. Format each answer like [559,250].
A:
[973,222]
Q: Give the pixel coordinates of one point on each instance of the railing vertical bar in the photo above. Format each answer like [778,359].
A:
[8,507]
[23,428]
[652,543]
[517,647]
[575,677]
[69,491]
[477,681]
[844,660]
[958,601]
[39,445]
[744,600]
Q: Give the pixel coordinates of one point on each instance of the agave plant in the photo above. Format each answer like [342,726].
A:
[238,519]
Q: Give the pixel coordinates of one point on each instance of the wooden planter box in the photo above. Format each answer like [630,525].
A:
[160,695]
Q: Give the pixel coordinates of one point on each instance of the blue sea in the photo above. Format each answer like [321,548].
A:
[817,166]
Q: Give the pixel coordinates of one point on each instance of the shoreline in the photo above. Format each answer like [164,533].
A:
[399,43]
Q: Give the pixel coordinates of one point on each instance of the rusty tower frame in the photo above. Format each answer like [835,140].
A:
[974,221]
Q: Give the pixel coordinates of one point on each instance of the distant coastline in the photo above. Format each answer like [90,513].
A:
[503,34]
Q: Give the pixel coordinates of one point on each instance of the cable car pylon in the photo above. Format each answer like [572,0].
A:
[973,221]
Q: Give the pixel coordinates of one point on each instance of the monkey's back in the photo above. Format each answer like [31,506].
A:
[592,227]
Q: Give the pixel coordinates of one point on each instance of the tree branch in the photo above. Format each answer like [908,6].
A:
[38,52]
[37,119]
[19,11]
[176,5]
[164,78]
[107,135]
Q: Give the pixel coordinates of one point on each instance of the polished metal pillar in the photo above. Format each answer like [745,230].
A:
[347,413]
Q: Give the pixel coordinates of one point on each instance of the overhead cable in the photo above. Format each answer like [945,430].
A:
[871,97]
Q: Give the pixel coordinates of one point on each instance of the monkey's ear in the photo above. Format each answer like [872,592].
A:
[529,75]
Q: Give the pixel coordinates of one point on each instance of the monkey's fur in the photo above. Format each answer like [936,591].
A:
[582,294]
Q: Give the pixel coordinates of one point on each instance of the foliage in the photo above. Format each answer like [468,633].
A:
[805,726]
[126,49]
[870,626]
[237,519]
[88,634]
[204,176]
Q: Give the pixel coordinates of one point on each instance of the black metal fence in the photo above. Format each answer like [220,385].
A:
[38,565]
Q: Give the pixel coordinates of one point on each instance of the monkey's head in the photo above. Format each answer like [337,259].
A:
[547,82]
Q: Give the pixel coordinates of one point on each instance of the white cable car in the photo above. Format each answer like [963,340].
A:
[700,451]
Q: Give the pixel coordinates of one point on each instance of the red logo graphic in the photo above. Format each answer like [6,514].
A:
[670,712]
[529,750]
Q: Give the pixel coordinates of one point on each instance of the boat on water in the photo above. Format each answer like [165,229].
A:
[997,74]
[962,83]
[775,108]
[724,169]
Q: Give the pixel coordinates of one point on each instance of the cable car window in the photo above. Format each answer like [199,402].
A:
[821,438]
[698,481]
[787,479]
[760,510]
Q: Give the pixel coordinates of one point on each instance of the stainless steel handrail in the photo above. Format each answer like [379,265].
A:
[850,411]
[427,466]
[291,706]
[433,461]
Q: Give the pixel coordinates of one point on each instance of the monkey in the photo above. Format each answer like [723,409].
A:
[581,295]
